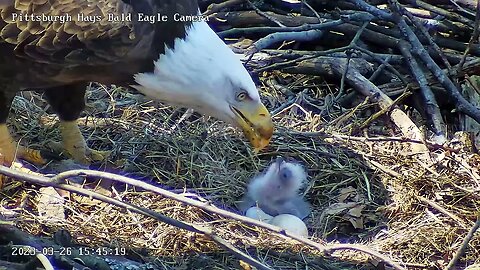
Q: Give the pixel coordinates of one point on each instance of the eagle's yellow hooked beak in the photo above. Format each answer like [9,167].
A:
[255,121]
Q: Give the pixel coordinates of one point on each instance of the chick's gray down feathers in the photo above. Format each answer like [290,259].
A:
[276,190]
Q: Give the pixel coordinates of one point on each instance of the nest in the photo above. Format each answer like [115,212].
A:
[390,188]
[368,188]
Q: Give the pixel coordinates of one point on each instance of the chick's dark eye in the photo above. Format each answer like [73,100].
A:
[242,96]
[285,174]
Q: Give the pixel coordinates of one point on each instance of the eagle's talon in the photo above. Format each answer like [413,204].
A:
[10,150]
[31,155]
[84,156]
[78,153]
[4,160]
[56,147]
[7,157]
[73,145]
[7,146]
[97,155]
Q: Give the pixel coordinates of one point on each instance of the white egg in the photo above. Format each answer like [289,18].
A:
[258,214]
[291,224]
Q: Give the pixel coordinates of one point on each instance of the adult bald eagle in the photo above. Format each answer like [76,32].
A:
[59,46]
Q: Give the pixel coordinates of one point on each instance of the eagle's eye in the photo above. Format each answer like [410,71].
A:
[241,96]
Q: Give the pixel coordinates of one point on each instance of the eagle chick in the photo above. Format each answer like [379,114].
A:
[276,190]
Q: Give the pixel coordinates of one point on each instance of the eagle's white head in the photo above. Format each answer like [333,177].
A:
[202,73]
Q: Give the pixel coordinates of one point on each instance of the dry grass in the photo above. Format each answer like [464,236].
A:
[211,159]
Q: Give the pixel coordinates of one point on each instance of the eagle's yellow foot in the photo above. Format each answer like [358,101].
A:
[30,155]
[7,146]
[75,146]
[9,150]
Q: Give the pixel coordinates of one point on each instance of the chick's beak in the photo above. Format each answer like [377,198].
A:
[255,121]
[279,161]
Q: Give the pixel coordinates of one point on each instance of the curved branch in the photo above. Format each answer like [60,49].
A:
[56,182]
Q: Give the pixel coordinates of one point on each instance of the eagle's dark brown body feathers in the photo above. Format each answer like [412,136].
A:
[52,53]
[58,46]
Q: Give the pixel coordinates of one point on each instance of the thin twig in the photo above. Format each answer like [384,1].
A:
[464,245]
[432,109]
[217,7]
[442,210]
[361,16]
[261,13]
[352,43]
[473,39]
[312,9]
[382,61]
[45,262]
[273,38]
[441,11]
[427,36]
